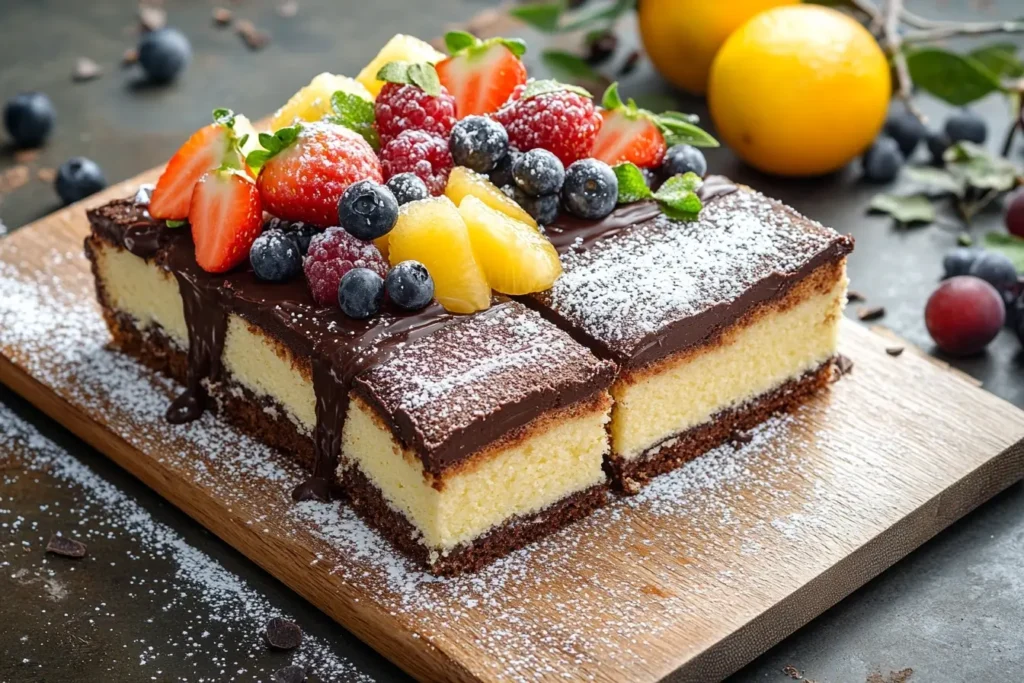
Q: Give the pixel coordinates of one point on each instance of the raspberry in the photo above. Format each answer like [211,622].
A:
[421,153]
[562,122]
[407,107]
[333,253]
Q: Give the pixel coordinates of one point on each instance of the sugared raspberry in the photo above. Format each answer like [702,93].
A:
[562,122]
[406,107]
[421,153]
[333,253]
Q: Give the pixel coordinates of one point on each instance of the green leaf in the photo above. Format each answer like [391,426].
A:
[175,224]
[457,41]
[676,131]
[632,186]
[611,98]
[964,239]
[569,67]
[904,209]
[272,144]
[678,195]
[936,178]
[423,76]
[979,168]
[224,117]
[1010,245]
[516,46]
[543,16]
[600,16]
[999,58]
[957,79]
[355,113]
[545,86]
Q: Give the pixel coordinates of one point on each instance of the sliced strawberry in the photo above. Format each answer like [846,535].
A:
[209,147]
[226,218]
[481,74]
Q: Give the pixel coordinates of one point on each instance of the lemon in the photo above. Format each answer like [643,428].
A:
[682,36]
[401,48]
[463,182]
[313,102]
[799,90]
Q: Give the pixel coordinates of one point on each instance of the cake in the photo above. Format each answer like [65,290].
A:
[470,367]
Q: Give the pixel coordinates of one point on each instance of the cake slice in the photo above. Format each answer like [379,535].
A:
[714,323]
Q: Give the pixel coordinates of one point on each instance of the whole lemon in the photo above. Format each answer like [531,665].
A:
[681,37]
[799,90]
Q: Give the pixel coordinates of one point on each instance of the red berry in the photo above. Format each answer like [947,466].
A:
[206,150]
[633,138]
[333,253]
[562,122]
[964,314]
[482,77]
[421,153]
[1015,214]
[226,218]
[400,107]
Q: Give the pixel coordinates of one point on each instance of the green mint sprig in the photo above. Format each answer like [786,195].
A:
[675,127]
[355,113]
[677,196]
[272,145]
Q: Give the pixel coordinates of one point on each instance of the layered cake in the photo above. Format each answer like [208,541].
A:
[467,312]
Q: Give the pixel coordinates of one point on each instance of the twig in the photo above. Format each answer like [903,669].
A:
[1015,95]
[917,21]
[893,46]
[874,14]
[956,30]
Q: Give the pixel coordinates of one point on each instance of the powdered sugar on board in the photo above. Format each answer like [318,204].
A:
[619,579]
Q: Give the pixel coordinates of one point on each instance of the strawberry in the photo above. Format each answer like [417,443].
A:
[226,218]
[481,74]
[636,135]
[209,147]
[305,168]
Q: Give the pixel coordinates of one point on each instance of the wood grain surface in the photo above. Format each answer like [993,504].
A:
[701,572]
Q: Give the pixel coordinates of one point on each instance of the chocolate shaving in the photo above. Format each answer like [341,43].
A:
[852,295]
[629,66]
[870,312]
[601,46]
[290,674]
[65,547]
[289,9]
[221,16]
[152,18]
[894,350]
[86,70]
[254,38]
[283,634]
[130,56]
[844,366]
[792,672]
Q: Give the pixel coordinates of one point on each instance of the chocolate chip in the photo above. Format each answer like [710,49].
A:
[870,312]
[290,674]
[65,547]
[852,295]
[152,18]
[253,37]
[894,350]
[600,47]
[629,66]
[221,16]
[289,9]
[844,365]
[283,634]
[130,56]
[86,70]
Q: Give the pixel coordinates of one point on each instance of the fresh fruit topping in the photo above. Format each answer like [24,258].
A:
[959,261]
[77,178]
[591,189]
[420,153]
[538,172]
[407,187]
[304,170]
[543,209]
[208,148]
[332,253]
[481,74]
[412,99]
[313,102]
[515,257]
[966,126]
[938,142]
[432,232]
[683,159]
[964,314]
[883,160]
[28,118]
[355,113]
[360,293]
[163,54]
[994,268]
[367,210]
[556,117]
[409,285]
[466,183]
[400,48]
[478,143]
[226,217]
[501,176]
[1015,214]
[906,129]
[301,233]
[275,256]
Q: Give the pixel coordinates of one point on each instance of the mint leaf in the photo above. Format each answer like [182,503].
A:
[355,113]
[272,144]
[632,185]
[1009,245]
[568,66]
[914,208]
[175,224]
[957,79]
[423,76]
[543,16]
[678,195]
[224,117]
[545,86]
[678,131]
[457,41]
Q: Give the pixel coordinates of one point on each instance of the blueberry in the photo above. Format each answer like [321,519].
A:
[164,53]
[883,160]
[591,189]
[301,233]
[966,126]
[77,178]
[906,129]
[407,187]
[1015,316]
[367,210]
[360,293]
[683,159]
[650,178]
[478,143]
[938,142]
[959,261]
[996,269]
[28,118]
[409,285]
[275,256]
[538,172]
[502,173]
[544,208]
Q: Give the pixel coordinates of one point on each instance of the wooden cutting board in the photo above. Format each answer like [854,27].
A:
[704,570]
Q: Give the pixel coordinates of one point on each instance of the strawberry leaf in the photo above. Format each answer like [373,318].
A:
[457,41]
[355,113]
[516,46]
[677,131]
[462,42]
[175,224]
[423,76]
[546,86]
[272,145]
[611,98]
[678,196]
[632,186]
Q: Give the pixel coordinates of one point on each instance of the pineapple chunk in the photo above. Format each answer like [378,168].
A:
[516,258]
[432,232]
[313,102]
[400,48]
[463,182]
